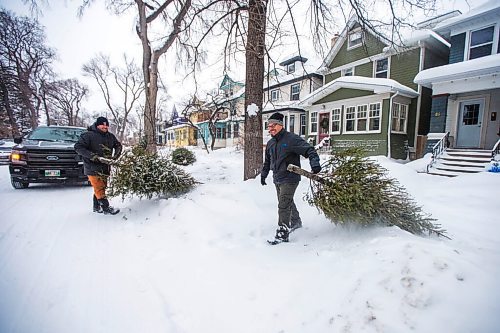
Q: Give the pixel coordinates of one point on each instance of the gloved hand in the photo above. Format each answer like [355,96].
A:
[105,160]
[316,169]
[94,158]
[263,181]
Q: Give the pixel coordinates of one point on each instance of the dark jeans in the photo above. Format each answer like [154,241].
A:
[288,215]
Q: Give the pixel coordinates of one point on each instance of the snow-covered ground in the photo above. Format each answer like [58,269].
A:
[200,263]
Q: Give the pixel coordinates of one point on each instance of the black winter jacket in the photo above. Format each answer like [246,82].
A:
[95,142]
[283,149]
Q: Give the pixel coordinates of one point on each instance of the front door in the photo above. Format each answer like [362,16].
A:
[324,126]
[470,119]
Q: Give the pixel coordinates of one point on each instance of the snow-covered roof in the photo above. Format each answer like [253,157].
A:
[301,71]
[281,105]
[377,85]
[416,36]
[490,8]
[460,70]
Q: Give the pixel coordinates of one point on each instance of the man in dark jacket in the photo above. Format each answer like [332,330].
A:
[283,149]
[97,146]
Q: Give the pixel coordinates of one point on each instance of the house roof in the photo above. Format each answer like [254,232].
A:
[378,86]
[490,9]
[488,65]
[292,60]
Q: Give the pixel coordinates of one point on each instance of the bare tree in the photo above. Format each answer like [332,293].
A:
[65,99]
[23,58]
[121,88]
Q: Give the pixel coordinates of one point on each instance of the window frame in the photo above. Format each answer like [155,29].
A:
[336,118]
[313,123]
[491,43]
[291,125]
[302,125]
[352,116]
[273,93]
[396,116]
[290,68]
[384,71]
[292,93]
[346,70]
[350,44]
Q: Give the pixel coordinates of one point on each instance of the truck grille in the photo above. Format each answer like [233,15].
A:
[53,158]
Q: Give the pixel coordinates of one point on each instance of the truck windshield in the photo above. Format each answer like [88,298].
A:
[56,134]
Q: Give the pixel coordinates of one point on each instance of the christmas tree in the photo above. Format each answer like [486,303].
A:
[355,189]
[145,174]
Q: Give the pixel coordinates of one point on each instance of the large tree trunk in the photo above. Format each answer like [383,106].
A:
[150,109]
[255,51]
[8,108]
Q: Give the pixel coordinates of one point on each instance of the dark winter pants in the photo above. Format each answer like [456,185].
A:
[288,215]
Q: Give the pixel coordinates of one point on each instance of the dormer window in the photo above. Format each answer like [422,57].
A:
[382,68]
[290,68]
[481,42]
[348,71]
[275,94]
[355,39]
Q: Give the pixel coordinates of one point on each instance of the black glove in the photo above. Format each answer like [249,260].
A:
[263,181]
[316,169]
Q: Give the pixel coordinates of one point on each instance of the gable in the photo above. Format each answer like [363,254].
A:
[371,46]
[343,93]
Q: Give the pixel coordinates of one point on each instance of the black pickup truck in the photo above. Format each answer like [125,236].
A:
[47,155]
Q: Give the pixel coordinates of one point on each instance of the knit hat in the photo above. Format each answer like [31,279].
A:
[276,118]
[101,121]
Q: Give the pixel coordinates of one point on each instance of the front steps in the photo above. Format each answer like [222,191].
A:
[454,162]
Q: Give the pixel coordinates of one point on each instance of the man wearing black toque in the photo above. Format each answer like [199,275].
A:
[282,149]
[97,146]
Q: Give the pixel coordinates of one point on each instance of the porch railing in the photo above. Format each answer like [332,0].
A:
[496,150]
[438,149]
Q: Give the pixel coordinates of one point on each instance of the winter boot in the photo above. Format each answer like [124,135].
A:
[296,225]
[106,208]
[281,235]
[97,205]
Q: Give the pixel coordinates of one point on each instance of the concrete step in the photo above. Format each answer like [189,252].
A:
[454,162]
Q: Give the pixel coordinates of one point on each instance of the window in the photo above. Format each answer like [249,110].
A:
[481,42]
[275,95]
[355,39]
[290,68]
[399,117]
[381,68]
[362,118]
[228,130]
[350,118]
[336,120]
[302,124]
[220,133]
[314,122]
[236,130]
[295,92]
[292,124]
[374,117]
[348,71]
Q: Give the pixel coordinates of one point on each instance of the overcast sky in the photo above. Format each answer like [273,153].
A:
[77,40]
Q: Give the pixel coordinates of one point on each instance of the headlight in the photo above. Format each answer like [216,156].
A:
[18,157]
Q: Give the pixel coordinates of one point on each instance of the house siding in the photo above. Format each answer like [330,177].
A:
[404,68]
[343,93]
[333,76]
[438,114]
[364,70]
[457,48]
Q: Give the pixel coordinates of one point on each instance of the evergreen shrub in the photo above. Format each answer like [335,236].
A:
[183,156]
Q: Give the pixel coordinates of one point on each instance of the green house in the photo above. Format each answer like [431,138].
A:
[368,98]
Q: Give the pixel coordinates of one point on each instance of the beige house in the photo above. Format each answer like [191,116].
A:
[284,87]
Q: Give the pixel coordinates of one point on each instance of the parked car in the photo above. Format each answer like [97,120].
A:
[5,149]
[47,155]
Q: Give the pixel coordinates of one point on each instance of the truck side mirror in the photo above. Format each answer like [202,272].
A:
[18,139]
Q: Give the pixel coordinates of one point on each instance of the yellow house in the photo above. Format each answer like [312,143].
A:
[181,135]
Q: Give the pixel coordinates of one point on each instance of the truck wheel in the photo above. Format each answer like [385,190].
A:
[18,185]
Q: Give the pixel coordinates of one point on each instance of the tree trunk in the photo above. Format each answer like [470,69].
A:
[255,51]
[8,108]
[150,109]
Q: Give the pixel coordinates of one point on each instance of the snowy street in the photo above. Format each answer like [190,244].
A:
[200,263]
